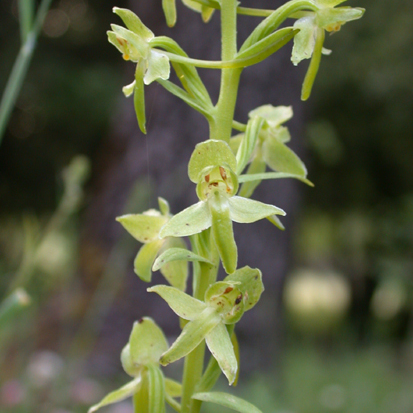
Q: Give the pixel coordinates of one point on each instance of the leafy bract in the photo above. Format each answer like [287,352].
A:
[227,400]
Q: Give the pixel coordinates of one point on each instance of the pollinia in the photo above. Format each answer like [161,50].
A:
[226,170]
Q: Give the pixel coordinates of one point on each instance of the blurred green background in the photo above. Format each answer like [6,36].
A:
[348,300]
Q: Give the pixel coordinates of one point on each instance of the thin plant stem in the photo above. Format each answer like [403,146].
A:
[20,68]
[221,127]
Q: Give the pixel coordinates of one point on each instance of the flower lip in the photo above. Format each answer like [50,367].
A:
[216,178]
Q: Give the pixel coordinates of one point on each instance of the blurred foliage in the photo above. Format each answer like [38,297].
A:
[66,101]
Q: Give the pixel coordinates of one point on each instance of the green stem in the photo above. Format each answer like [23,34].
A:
[20,68]
[221,127]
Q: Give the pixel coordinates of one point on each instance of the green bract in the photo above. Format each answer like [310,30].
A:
[134,44]
[145,228]
[211,166]
[309,41]
[225,303]
[140,359]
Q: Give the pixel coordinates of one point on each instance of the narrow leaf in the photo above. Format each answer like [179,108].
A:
[219,344]
[118,395]
[173,403]
[182,94]
[191,220]
[272,175]
[245,211]
[187,74]
[181,303]
[192,334]
[261,50]
[227,400]
[248,143]
[174,254]
[257,166]
[139,96]
[314,65]
[26,9]
[169,9]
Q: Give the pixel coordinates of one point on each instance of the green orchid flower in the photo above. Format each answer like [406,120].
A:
[212,166]
[308,42]
[145,228]
[140,359]
[134,43]
[266,138]
[225,303]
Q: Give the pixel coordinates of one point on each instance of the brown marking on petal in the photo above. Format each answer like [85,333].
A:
[228,290]
[223,173]
[214,183]
[207,178]
[141,320]
[238,300]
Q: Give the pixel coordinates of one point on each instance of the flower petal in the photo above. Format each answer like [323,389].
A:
[273,115]
[192,334]
[191,220]
[137,46]
[219,344]
[129,89]
[134,23]
[210,153]
[181,303]
[158,67]
[118,395]
[245,210]
[143,227]
[281,158]
[147,342]
[174,269]
[332,19]
[223,232]
[145,258]
[250,283]
[304,41]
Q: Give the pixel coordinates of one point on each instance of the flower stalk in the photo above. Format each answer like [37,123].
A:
[226,169]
